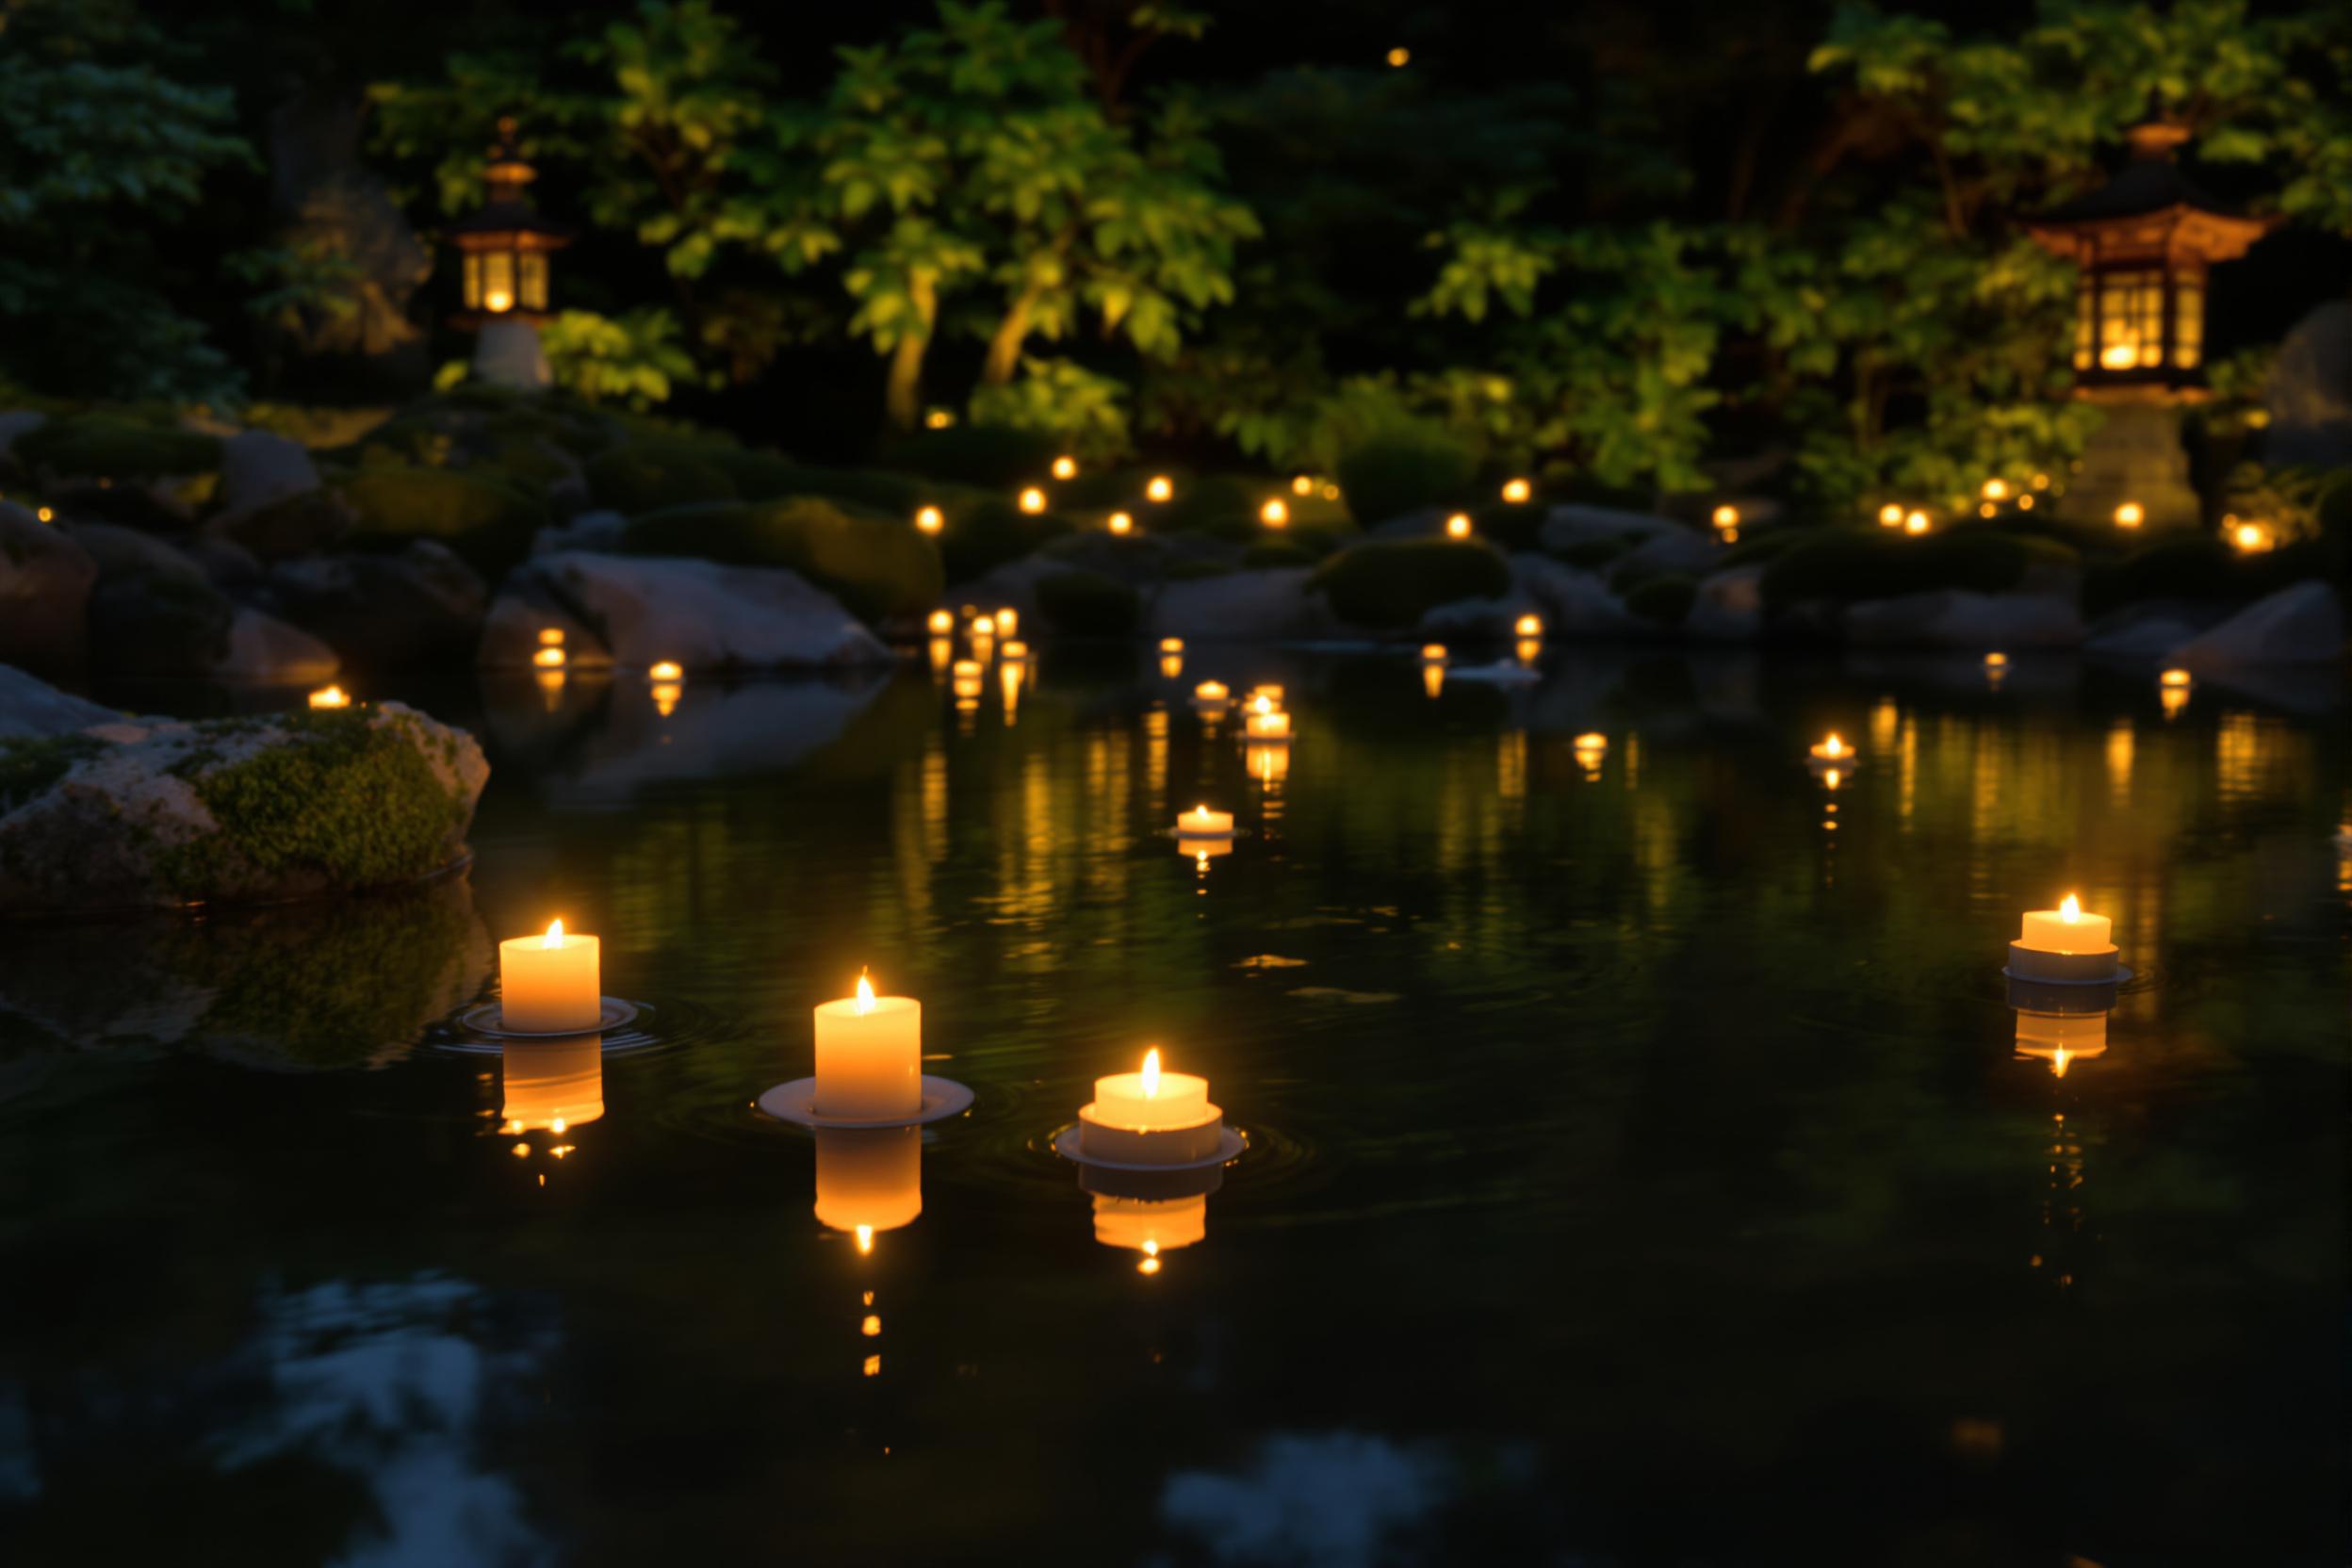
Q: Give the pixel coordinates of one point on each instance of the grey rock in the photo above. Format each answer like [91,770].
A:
[119,550]
[1957,618]
[1729,607]
[45,580]
[149,624]
[260,469]
[2152,628]
[1477,620]
[381,613]
[2302,625]
[511,635]
[1567,526]
[2309,393]
[228,565]
[30,709]
[698,614]
[1272,603]
[300,524]
[1573,603]
[16,423]
[128,828]
[598,530]
[1685,550]
[265,649]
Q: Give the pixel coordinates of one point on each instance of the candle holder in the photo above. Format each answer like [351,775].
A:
[2066,947]
[489,1018]
[796,1102]
[2064,998]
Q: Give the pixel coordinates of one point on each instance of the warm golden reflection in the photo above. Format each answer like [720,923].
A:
[1267,764]
[667,694]
[942,653]
[1010,680]
[1590,751]
[869,1180]
[1433,676]
[2120,744]
[1171,666]
[2062,1039]
[1150,1226]
[550,1086]
[551,687]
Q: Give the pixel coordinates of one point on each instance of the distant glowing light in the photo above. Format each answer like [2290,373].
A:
[2131,514]
[330,696]
[1996,490]
[1458,526]
[551,637]
[1160,488]
[1033,500]
[942,622]
[1726,518]
[1121,523]
[1275,513]
[1064,466]
[1529,626]
[548,659]
[930,519]
[1399,58]
[1302,485]
[1517,490]
[1890,515]
[1914,522]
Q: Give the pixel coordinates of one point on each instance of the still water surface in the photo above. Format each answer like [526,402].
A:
[1644,1168]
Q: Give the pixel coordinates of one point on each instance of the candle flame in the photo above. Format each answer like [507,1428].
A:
[1832,747]
[2070,911]
[1264,705]
[1151,1073]
[865,993]
[865,1239]
[2058,1063]
[555,933]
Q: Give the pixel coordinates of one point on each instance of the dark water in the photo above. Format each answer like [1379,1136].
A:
[1643,1169]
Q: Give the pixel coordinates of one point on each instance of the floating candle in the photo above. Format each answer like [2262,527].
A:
[1266,722]
[1014,652]
[1211,694]
[1458,526]
[1529,626]
[1269,692]
[1160,488]
[942,623]
[1433,653]
[868,1056]
[930,519]
[552,984]
[1150,1100]
[2175,678]
[1275,513]
[1833,750]
[1202,823]
[1171,644]
[330,696]
[666,670]
[1517,490]
[2067,929]
[1726,518]
[548,659]
[1121,523]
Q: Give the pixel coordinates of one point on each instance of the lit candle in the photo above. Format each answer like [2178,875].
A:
[942,623]
[1267,723]
[1160,488]
[1121,523]
[551,637]
[666,670]
[1727,518]
[1433,653]
[1517,490]
[1458,526]
[1833,752]
[1065,467]
[1150,1100]
[2131,514]
[1211,694]
[1202,823]
[1890,515]
[1914,522]
[1275,513]
[548,657]
[868,1056]
[1270,692]
[1302,485]
[930,519]
[1996,661]
[330,696]
[1033,500]
[1008,622]
[1529,626]
[2067,929]
[869,1180]
[1171,644]
[553,984]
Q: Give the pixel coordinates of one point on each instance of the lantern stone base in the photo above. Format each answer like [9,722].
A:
[507,353]
[2135,455]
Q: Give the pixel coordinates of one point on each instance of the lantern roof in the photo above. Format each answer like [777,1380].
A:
[507,208]
[2151,185]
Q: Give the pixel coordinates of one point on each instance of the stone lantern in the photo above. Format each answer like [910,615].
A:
[505,249]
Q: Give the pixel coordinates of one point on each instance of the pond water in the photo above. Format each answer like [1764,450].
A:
[1644,1168]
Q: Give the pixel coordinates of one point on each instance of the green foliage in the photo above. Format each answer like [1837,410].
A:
[639,476]
[1088,604]
[111,446]
[876,569]
[994,531]
[989,456]
[30,766]
[634,358]
[487,521]
[1086,414]
[1845,564]
[2285,500]
[1665,598]
[348,795]
[102,153]
[1390,584]
[1404,466]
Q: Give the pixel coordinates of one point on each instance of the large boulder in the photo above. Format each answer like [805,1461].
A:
[120,551]
[1686,551]
[31,708]
[699,614]
[2302,625]
[1729,607]
[1567,526]
[2151,629]
[233,810]
[147,622]
[2309,393]
[512,635]
[1573,603]
[45,580]
[263,649]
[1255,604]
[260,469]
[383,612]
[1959,619]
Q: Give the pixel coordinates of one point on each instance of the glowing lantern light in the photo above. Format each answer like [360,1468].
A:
[2250,538]
[2131,514]
[330,696]
[930,519]
[942,623]
[1726,518]
[1914,522]
[1890,515]
[1517,490]
[1121,523]
[1399,58]
[1033,500]
[505,246]
[1065,467]
[1302,485]
[937,419]
[1160,488]
[2025,503]
[1996,661]
[1986,509]
[2174,679]
[1458,526]
[1275,513]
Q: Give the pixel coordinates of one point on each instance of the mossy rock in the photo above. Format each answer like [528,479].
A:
[109,446]
[763,477]
[486,521]
[30,766]
[1665,598]
[145,623]
[989,456]
[1846,564]
[985,536]
[1390,584]
[1088,604]
[875,568]
[648,475]
[1278,550]
[1402,469]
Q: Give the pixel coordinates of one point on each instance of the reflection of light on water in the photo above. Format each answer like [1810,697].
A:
[2240,756]
[2061,1041]
[551,687]
[1150,1226]
[2120,744]
[1510,765]
[1885,719]
[1155,756]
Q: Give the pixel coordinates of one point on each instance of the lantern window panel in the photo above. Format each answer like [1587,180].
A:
[2085,311]
[532,266]
[473,281]
[2132,319]
[497,281]
[2188,322]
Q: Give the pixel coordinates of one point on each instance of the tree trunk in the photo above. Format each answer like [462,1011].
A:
[1005,345]
[903,398]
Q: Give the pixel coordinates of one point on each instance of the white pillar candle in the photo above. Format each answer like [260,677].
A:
[868,1056]
[1834,750]
[2067,929]
[1150,1100]
[553,984]
[1202,823]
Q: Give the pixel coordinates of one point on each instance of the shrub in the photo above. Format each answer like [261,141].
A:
[1845,564]
[643,475]
[1087,604]
[485,521]
[993,533]
[875,568]
[1402,467]
[1665,598]
[1393,584]
[989,456]
[109,446]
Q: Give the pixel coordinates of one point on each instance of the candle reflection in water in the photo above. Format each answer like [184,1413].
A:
[869,1180]
[2060,1039]
[552,1087]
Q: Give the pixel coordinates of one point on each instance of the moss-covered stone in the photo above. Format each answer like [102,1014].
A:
[988,456]
[1402,469]
[485,521]
[987,536]
[1390,584]
[1845,564]
[647,475]
[347,795]
[111,446]
[1088,604]
[30,766]
[875,568]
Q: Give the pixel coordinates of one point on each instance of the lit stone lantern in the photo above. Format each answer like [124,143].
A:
[505,248]
[2141,245]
